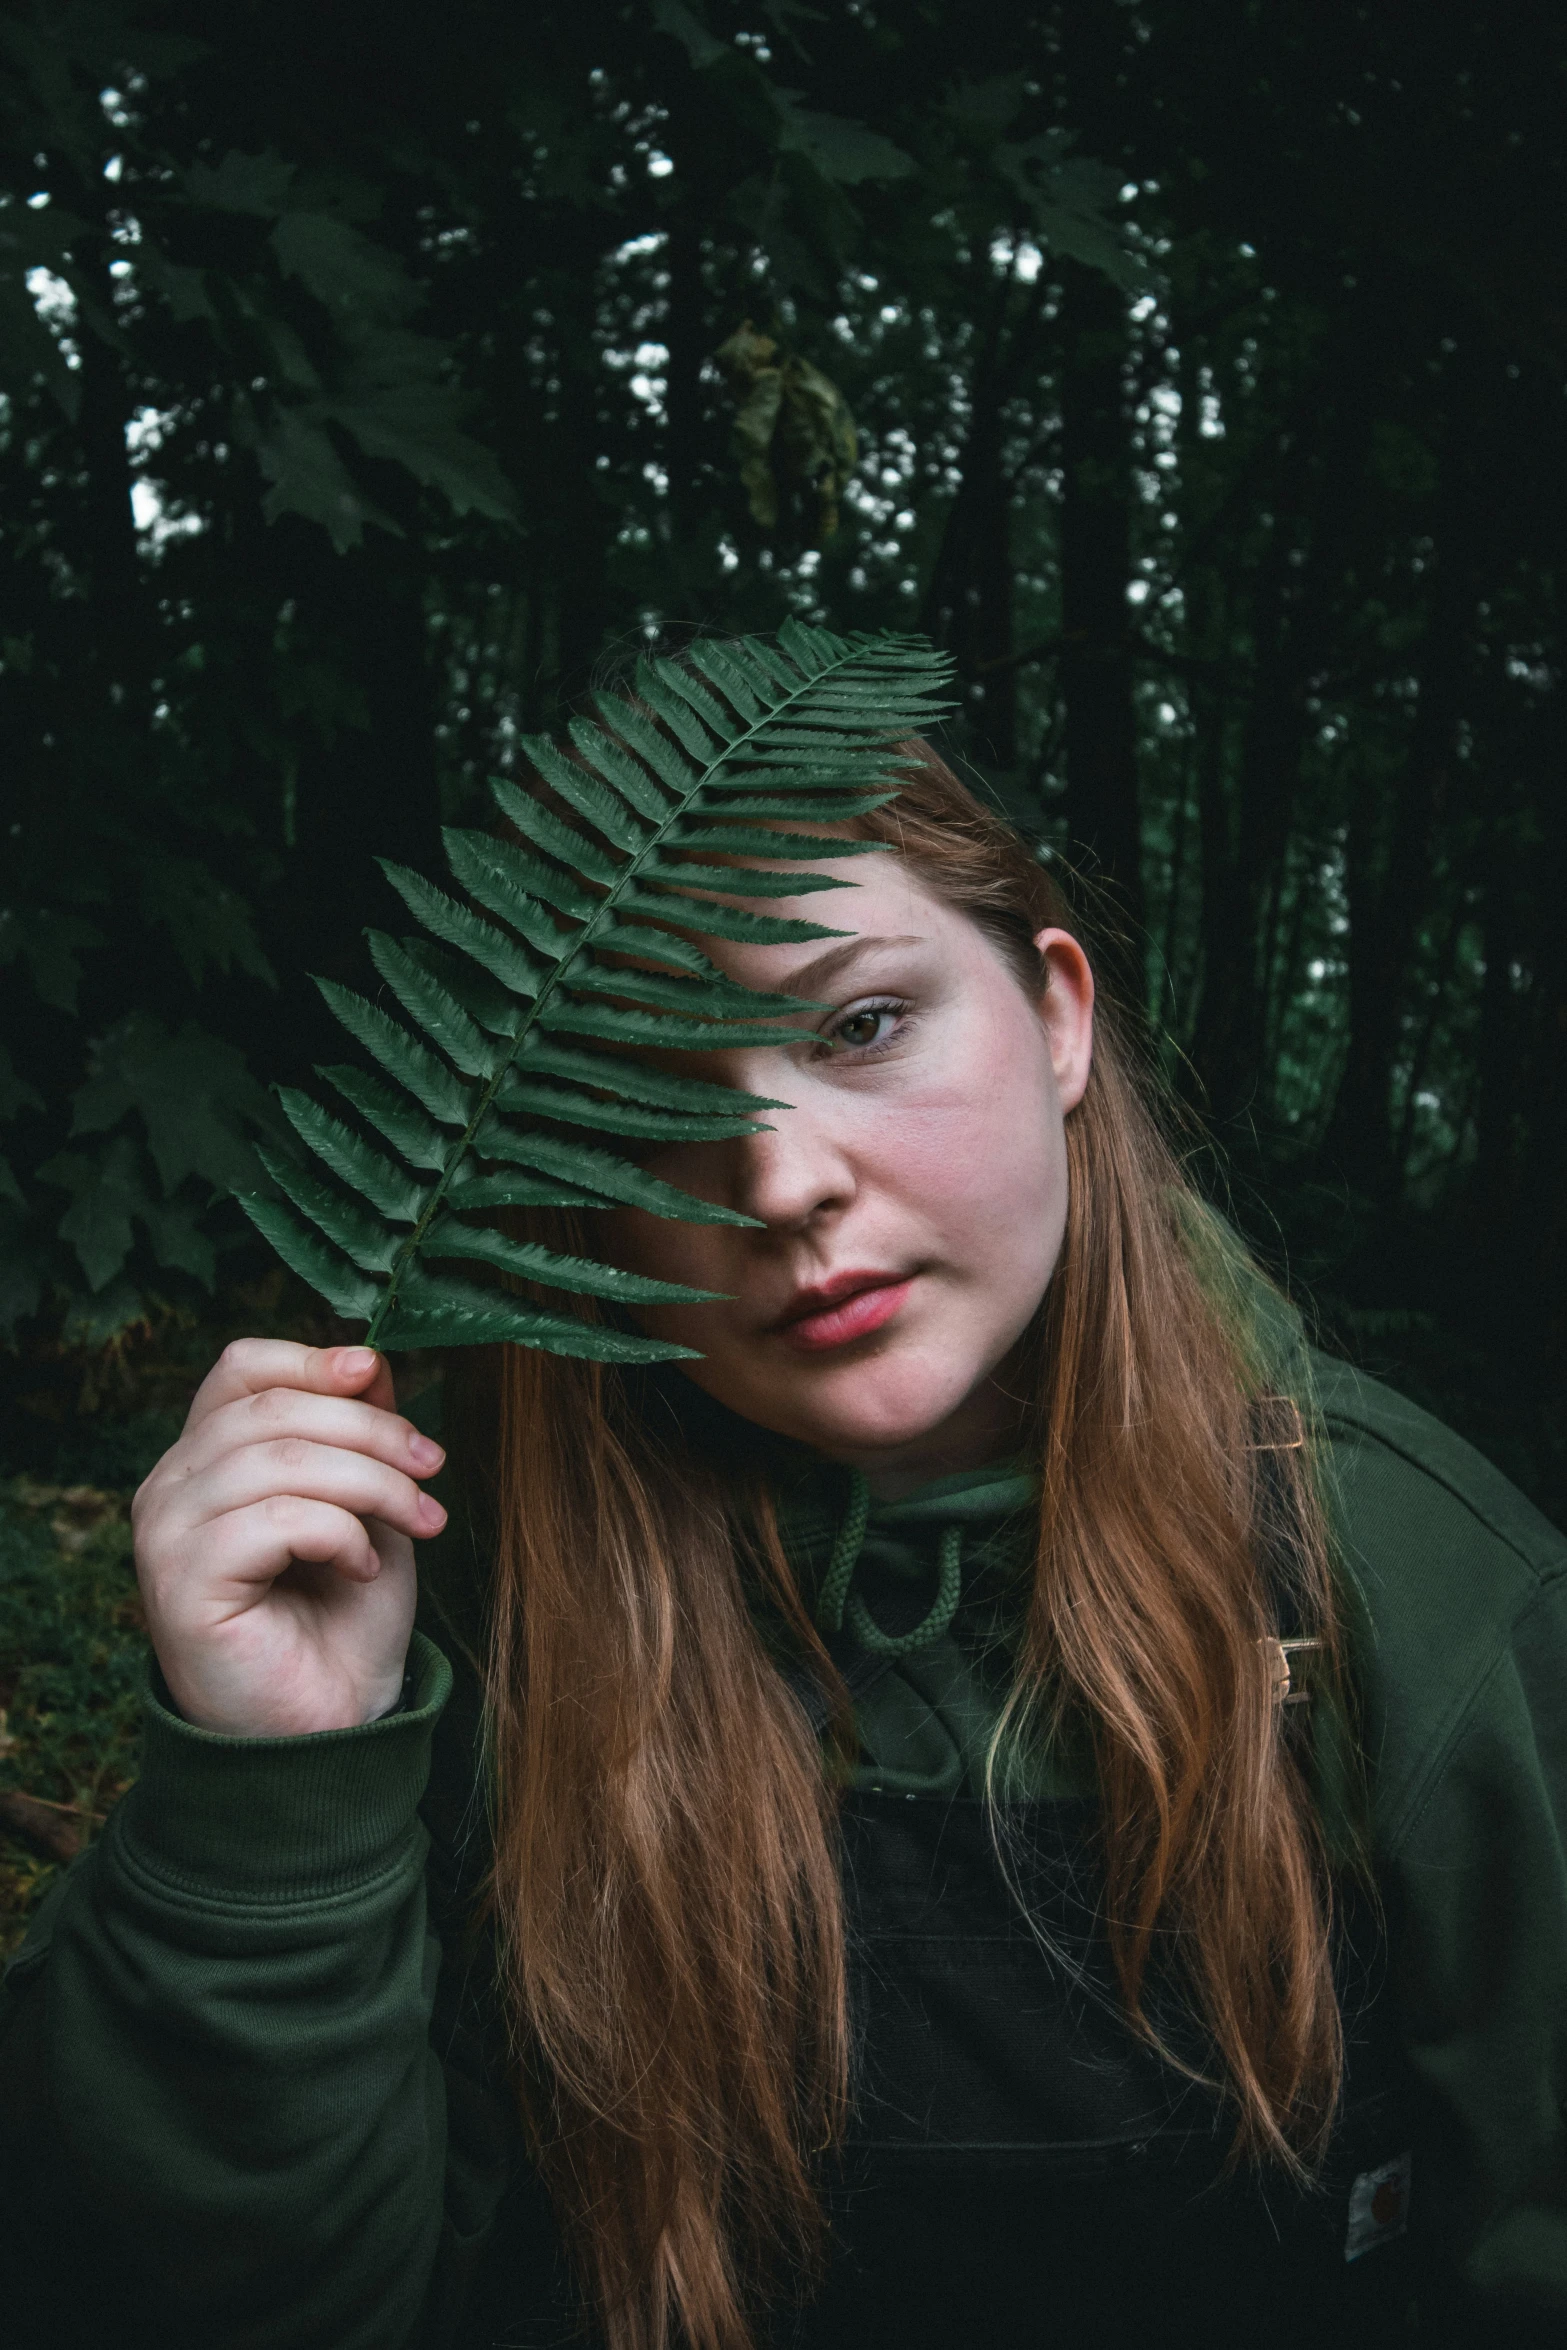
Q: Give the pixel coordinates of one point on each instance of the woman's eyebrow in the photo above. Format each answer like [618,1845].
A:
[823,968]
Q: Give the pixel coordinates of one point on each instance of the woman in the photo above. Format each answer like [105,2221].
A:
[1015,1804]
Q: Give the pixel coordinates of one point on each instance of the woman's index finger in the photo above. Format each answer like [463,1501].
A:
[248,1366]
[382,1390]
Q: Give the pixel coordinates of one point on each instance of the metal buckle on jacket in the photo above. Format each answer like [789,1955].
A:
[1276,1425]
[1281,1655]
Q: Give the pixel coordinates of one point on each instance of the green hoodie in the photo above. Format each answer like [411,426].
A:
[250,2081]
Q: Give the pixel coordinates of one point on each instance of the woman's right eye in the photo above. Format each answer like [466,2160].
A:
[864,1028]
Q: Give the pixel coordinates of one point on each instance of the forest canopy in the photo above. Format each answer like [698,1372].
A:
[372,387]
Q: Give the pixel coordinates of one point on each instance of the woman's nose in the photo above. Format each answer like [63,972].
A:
[794,1174]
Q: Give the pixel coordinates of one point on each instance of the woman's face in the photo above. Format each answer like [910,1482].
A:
[910,1204]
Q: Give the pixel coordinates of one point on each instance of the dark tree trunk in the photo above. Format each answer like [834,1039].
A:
[1517,1196]
[688,342]
[1245,828]
[369,790]
[582,604]
[1169,1004]
[1294,613]
[121,651]
[1206,638]
[1388,907]
[1500,1061]
[1542,1191]
[968,605]
[1288,923]
[1099,736]
[1438,986]
[993,635]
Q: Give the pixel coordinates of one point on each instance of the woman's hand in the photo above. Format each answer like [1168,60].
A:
[273,1542]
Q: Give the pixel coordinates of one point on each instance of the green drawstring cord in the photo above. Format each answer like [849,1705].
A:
[845,1555]
[837,1601]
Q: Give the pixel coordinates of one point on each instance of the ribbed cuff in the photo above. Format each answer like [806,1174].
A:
[282,1819]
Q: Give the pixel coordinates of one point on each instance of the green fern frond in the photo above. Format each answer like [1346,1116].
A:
[510,1051]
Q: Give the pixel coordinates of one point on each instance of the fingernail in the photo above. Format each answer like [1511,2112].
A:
[354,1361]
[431,1513]
[423,1453]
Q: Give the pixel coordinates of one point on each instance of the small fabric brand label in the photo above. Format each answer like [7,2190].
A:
[1378,2206]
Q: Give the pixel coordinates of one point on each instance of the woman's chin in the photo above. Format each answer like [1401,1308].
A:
[856,1411]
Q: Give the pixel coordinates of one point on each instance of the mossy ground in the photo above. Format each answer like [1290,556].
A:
[71,1649]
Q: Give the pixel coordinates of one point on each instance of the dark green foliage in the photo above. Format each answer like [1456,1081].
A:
[830,706]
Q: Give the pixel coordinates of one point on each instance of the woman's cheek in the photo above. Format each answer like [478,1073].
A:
[980,1166]
[993,1184]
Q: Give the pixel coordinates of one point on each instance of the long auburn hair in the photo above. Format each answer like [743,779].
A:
[665,1884]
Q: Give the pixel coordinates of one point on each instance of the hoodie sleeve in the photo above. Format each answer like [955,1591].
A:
[1465,1683]
[221,2120]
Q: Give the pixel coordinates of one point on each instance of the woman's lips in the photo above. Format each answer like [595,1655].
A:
[853,1315]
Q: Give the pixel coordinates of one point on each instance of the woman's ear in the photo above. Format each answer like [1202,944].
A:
[1066,1011]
